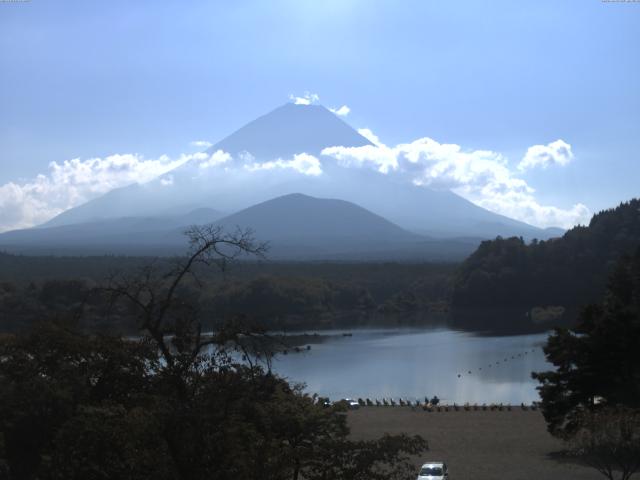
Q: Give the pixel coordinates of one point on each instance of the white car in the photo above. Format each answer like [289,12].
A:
[353,405]
[433,471]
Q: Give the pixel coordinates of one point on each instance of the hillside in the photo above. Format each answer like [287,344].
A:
[279,134]
[247,178]
[296,226]
[301,227]
[126,235]
[304,220]
[569,271]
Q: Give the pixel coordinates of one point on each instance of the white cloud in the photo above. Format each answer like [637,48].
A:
[301,163]
[201,144]
[554,153]
[218,157]
[523,206]
[343,111]
[378,155]
[481,176]
[73,182]
[381,157]
[369,135]
[306,99]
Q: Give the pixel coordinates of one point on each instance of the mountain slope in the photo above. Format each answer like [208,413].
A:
[435,213]
[300,227]
[285,131]
[107,236]
[289,130]
[296,227]
[305,220]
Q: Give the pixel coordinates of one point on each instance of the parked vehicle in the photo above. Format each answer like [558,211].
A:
[433,471]
[353,404]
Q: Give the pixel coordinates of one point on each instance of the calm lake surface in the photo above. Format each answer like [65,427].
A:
[456,366]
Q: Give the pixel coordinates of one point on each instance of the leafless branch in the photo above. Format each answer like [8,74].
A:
[154,296]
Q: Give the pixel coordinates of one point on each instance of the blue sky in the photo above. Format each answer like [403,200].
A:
[93,79]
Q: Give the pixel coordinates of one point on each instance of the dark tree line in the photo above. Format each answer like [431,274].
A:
[286,300]
[173,402]
[592,398]
[569,271]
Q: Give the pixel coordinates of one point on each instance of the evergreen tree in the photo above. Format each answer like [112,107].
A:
[598,361]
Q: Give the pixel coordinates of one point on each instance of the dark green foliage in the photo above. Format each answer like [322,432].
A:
[609,441]
[173,403]
[279,295]
[104,442]
[385,458]
[22,306]
[62,292]
[48,376]
[598,361]
[285,301]
[80,407]
[569,271]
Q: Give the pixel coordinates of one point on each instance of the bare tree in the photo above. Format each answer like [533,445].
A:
[154,295]
[609,441]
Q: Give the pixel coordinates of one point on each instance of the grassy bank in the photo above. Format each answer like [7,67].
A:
[477,445]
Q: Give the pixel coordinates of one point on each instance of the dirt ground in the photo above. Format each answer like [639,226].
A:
[476,445]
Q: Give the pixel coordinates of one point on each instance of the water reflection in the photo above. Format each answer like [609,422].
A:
[456,366]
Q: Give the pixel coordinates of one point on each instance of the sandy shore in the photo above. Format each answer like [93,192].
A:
[477,445]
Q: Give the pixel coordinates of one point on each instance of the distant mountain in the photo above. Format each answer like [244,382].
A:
[299,225]
[280,134]
[554,232]
[288,130]
[569,271]
[296,227]
[130,235]
[308,219]
[435,213]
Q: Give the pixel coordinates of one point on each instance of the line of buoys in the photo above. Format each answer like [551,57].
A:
[433,405]
[506,359]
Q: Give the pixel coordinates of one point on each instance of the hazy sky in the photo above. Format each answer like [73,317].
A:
[92,79]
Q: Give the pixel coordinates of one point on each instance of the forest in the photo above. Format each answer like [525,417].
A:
[570,271]
[506,285]
[170,402]
[278,295]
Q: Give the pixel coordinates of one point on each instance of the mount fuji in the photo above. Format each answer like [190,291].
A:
[278,156]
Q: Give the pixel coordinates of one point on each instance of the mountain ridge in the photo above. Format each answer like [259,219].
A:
[296,226]
[288,130]
[285,131]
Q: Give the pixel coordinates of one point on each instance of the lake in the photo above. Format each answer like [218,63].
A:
[413,363]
